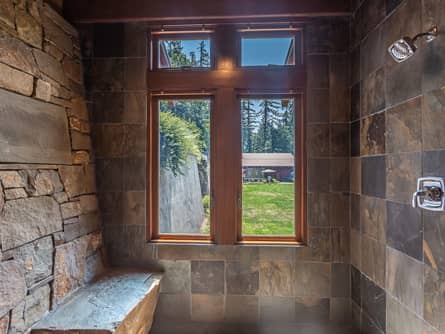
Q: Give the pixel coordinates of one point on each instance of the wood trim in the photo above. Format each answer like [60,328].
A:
[226,84]
[153,233]
[300,177]
[88,11]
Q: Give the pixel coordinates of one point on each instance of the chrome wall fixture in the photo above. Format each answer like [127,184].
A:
[430,194]
[405,47]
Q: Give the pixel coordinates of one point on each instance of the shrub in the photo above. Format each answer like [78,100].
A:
[178,142]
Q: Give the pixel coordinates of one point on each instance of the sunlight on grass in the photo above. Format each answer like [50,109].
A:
[268,209]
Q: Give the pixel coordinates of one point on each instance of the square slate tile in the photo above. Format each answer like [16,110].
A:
[339,140]
[355,212]
[404,229]
[242,278]
[400,319]
[433,118]
[207,277]
[319,246]
[341,277]
[434,298]
[312,279]
[318,105]
[374,176]
[355,139]
[207,308]
[318,209]
[434,163]
[402,173]
[372,135]
[318,140]
[176,279]
[276,279]
[173,307]
[373,218]
[404,127]
[313,310]
[356,277]
[373,93]
[374,302]
[242,309]
[277,309]
[434,239]
[356,176]
[404,280]
[373,260]
[339,174]
[355,101]
[318,175]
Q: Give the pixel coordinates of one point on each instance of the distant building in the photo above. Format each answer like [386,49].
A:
[279,165]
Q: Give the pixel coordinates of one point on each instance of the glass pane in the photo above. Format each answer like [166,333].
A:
[267,51]
[268,197]
[184,177]
[184,53]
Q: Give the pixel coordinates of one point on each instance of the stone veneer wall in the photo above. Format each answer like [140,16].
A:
[49,222]
[209,285]
[398,122]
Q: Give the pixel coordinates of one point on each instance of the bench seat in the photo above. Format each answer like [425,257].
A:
[121,302]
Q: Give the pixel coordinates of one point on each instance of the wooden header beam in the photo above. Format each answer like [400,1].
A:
[89,11]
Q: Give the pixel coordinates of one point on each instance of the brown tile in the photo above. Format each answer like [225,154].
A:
[108,107]
[340,310]
[374,176]
[135,139]
[340,140]
[135,107]
[356,277]
[372,57]
[355,212]
[402,173]
[373,260]
[374,306]
[109,174]
[135,40]
[277,254]
[134,173]
[242,278]
[339,174]
[340,284]
[107,75]
[434,239]
[207,308]
[339,88]
[173,307]
[373,218]
[135,74]
[433,71]
[400,319]
[339,210]
[433,118]
[318,71]
[108,40]
[318,209]
[318,105]
[373,13]
[312,279]
[404,229]
[373,93]
[108,140]
[404,280]
[434,163]
[356,176]
[356,249]
[276,278]
[318,175]
[176,278]
[340,245]
[277,309]
[207,277]
[309,309]
[434,298]
[318,140]
[355,101]
[319,246]
[134,207]
[242,308]
[403,127]
[372,135]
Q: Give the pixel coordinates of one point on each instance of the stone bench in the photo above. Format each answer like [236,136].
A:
[121,302]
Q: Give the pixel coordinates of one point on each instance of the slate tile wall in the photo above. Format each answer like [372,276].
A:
[397,110]
[206,286]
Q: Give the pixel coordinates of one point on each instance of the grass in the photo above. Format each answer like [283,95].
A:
[268,209]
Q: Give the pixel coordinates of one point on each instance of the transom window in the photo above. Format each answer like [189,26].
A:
[226,145]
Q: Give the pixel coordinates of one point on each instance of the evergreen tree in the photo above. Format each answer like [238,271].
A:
[249,124]
[270,117]
[204,57]
[176,55]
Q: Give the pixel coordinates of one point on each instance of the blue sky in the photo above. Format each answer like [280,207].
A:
[256,51]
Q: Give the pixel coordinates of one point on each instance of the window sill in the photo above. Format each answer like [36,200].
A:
[173,242]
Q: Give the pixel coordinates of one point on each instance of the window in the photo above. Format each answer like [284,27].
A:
[268,167]
[179,52]
[226,145]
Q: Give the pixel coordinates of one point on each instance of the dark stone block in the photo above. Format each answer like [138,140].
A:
[433,119]
[374,302]
[373,93]
[373,13]
[106,75]
[309,309]
[208,277]
[391,5]
[402,173]
[404,229]
[433,64]
[135,173]
[374,176]
[318,140]
[109,173]
[108,107]
[434,298]
[355,212]
[355,66]
[372,56]
[318,71]
[339,174]
[318,209]
[318,175]
[318,105]
[341,280]
[434,163]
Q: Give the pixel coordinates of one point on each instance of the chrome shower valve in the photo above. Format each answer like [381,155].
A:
[430,194]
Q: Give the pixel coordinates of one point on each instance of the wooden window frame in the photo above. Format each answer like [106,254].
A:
[225,82]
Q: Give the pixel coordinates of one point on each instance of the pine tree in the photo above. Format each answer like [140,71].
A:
[270,117]
[249,124]
[204,57]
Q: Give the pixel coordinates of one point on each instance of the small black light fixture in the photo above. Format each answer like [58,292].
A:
[405,47]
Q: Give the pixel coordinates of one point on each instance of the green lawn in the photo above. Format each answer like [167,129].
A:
[268,209]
